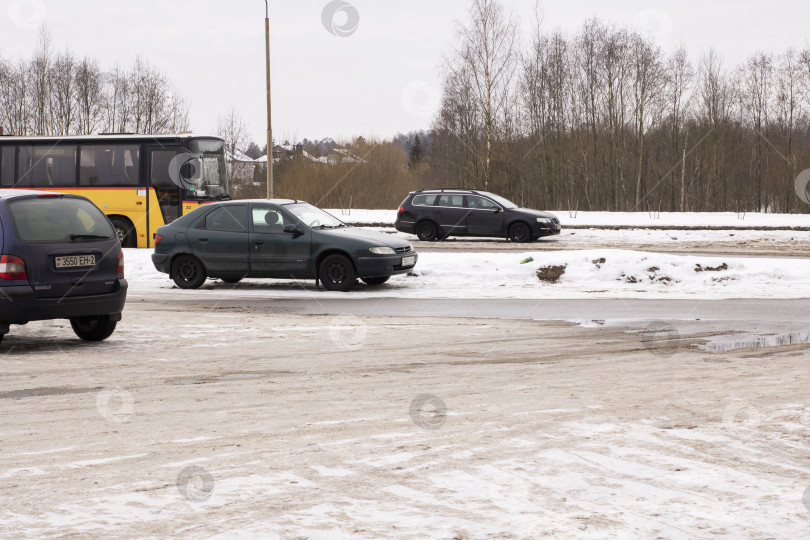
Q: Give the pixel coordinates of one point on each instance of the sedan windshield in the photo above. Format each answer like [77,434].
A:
[314,217]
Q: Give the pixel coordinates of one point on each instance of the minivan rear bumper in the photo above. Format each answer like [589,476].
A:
[18,304]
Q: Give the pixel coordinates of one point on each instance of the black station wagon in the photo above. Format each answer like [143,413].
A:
[60,258]
[284,239]
[439,213]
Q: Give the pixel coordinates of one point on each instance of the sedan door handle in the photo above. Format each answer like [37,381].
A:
[258,242]
[202,240]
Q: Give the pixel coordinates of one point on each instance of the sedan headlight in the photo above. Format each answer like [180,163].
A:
[382,250]
[543,220]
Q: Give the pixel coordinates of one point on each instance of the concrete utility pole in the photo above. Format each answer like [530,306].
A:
[270,191]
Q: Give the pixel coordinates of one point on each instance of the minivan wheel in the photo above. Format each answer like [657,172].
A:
[188,272]
[337,273]
[519,232]
[427,231]
[96,328]
[375,280]
[125,232]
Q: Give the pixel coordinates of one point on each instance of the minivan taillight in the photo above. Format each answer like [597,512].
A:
[12,267]
[120,270]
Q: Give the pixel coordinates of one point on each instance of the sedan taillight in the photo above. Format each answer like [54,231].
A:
[120,270]
[12,267]
[401,210]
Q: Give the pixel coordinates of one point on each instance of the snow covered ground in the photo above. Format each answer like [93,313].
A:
[192,422]
[594,273]
[631,219]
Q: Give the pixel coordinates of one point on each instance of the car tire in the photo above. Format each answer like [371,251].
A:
[337,273]
[231,279]
[97,328]
[519,232]
[188,272]
[375,280]
[427,231]
[125,232]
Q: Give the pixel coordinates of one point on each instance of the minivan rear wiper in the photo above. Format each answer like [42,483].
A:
[88,237]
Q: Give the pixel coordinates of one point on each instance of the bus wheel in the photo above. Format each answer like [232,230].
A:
[125,231]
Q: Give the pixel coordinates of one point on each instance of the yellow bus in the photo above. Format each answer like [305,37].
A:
[140,181]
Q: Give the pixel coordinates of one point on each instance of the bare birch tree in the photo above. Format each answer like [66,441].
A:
[231,127]
[487,50]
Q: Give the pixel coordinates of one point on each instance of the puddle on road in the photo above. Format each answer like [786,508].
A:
[232,377]
[41,392]
[731,343]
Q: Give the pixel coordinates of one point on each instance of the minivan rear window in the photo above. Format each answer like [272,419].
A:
[52,220]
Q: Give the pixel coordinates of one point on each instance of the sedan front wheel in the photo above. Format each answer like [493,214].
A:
[337,273]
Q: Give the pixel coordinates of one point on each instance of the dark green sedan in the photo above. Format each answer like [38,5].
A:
[285,239]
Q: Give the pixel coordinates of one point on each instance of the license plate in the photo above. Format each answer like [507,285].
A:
[408,261]
[75,261]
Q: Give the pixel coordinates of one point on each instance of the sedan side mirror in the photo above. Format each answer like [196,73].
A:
[497,209]
[293,229]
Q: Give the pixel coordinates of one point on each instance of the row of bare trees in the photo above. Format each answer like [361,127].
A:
[57,93]
[606,120]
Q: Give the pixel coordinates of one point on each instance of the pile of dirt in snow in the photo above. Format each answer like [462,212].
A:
[551,274]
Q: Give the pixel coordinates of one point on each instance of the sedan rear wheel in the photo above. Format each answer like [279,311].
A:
[96,328]
[188,272]
[337,273]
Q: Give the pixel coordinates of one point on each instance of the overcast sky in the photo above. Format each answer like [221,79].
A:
[360,67]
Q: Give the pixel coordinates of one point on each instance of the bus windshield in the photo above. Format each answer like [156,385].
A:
[210,180]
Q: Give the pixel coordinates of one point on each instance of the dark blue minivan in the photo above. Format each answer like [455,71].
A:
[60,258]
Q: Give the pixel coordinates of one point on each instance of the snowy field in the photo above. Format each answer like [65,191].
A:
[698,220]
[595,273]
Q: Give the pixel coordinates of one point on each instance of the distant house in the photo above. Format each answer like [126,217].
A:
[239,167]
[241,171]
[341,155]
[287,151]
[283,151]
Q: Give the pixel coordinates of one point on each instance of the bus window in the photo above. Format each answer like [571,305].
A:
[7,167]
[111,165]
[43,166]
[160,177]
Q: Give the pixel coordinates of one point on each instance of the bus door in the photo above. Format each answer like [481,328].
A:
[163,164]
